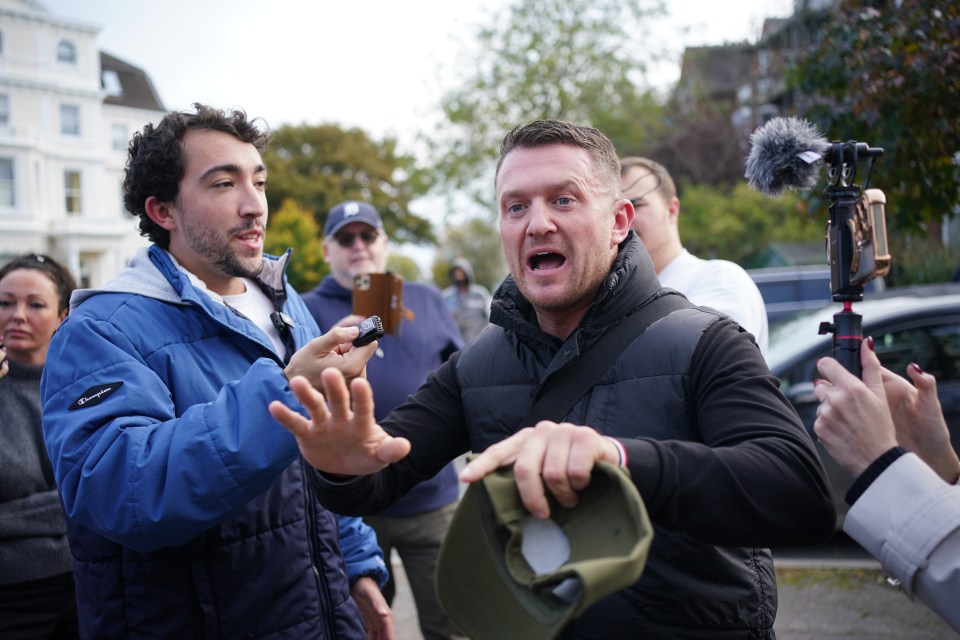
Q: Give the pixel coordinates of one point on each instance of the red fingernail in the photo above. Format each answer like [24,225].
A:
[870,343]
[916,366]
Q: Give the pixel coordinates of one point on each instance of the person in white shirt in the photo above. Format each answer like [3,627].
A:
[905,502]
[718,284]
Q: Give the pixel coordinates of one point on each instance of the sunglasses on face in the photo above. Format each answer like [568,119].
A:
[346,240]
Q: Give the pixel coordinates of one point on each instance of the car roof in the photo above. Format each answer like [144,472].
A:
[800,334]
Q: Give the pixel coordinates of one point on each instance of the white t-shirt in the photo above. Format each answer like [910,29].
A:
[720,285]
[252,303]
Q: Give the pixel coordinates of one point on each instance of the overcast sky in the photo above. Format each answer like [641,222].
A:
[376,64]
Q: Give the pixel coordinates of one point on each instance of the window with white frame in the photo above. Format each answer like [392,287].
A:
[111,83]
[4,109]
[66,52]
[70,119]
[8,191]
[72,191]
[118,137]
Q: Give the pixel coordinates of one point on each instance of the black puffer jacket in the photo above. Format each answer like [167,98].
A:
[719,456]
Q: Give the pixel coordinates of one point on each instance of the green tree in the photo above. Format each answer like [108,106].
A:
[404,266]
[696,141]
[318,166]
[477,240]
[740,225]
[577,60]
[292,226]
[888,73]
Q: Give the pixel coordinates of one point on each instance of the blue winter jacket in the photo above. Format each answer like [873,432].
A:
[187,513]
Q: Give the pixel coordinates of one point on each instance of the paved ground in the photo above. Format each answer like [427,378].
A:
[849,603]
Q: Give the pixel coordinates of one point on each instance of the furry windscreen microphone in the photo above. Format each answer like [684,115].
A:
[786,154]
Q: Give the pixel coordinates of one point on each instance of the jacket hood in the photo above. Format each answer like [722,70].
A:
[464,264]
[154,273]
[140,276]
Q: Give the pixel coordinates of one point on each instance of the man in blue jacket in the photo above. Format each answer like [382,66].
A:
[356,243]
[188,515]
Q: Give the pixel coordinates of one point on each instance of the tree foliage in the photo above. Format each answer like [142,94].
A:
[741,225]
[292,226]
[577,60]
[921,261]
[696,141]
[404,266]
[888,73]
[318,166]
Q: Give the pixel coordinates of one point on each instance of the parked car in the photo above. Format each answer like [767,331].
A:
[915,327]
[788,291]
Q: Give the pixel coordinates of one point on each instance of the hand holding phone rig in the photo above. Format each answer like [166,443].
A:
[857,246]
[370,329]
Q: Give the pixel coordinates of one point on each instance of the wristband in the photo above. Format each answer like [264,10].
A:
[621,451]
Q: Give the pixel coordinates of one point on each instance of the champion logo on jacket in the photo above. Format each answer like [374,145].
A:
[95,395]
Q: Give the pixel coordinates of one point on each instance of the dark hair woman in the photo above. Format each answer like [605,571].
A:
[37,597]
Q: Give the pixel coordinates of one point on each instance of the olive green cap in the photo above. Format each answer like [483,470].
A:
[504,574]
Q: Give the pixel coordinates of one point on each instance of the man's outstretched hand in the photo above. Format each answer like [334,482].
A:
[339,438]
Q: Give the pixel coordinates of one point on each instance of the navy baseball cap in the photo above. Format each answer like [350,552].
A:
[351,211]
[504,575]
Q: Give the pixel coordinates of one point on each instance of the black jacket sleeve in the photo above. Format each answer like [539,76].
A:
[755,479]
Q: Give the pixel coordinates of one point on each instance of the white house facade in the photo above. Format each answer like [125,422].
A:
[67,112]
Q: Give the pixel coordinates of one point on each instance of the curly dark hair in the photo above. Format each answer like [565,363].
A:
[60,276]
[541,133]
[155,160]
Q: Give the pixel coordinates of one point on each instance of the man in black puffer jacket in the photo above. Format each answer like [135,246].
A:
[719,456]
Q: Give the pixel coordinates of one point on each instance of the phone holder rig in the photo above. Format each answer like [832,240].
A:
[857,247]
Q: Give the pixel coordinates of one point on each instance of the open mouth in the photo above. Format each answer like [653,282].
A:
[545,260]
[250,238]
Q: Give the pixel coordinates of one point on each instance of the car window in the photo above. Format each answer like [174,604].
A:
[802,372]
[936,348]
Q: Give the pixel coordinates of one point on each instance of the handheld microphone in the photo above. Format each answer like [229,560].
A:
[786,154]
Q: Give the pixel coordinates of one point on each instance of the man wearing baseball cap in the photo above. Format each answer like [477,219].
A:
[355,243]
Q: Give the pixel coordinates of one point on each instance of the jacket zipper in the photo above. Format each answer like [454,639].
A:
[322,587]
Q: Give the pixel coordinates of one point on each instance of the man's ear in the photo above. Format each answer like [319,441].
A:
[159,213]
[673,210]
[622,220]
